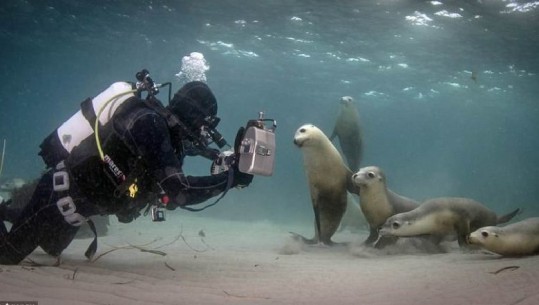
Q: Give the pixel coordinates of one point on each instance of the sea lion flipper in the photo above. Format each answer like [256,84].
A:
[317,232]
[305,240]
[333,135]
[373,237]
[505,218]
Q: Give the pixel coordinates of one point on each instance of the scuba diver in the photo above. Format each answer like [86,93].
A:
[121,154]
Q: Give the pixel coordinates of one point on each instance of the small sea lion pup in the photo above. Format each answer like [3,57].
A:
[444,217]
[328,179]
[348,130]
[517,239]
[378,202]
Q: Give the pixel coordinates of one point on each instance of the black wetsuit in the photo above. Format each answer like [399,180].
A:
[139,142]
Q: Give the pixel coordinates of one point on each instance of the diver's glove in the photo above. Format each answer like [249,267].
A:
[241,180]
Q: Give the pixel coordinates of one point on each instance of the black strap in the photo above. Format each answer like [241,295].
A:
[92,248]
[88,111]
[171,119]
[130,179]
[87,108]
[228,186]
[3,229]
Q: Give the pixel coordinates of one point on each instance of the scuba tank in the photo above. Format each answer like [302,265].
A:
[57,146]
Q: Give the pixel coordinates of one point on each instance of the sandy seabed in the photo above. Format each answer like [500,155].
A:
[190,259]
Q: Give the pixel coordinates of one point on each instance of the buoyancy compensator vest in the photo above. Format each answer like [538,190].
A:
[100,164]
[57,150]
[116,182]
[96,154]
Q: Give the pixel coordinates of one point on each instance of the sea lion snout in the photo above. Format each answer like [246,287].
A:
[359,177]
[346,100]
[301,135]
[390,226]
[367,175]
[477,236]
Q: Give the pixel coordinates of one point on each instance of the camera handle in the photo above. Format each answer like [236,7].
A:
[260,122]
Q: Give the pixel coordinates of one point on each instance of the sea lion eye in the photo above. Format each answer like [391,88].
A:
[484,233]
[371,175]
[302,130]
[395,225]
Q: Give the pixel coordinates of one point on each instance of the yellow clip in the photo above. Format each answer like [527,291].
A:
[133,189]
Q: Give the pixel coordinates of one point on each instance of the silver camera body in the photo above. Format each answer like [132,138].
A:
[257,148]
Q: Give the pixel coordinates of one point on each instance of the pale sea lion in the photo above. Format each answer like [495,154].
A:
[378,202]
[443,217]
[328,179]
[517,239]
[348,130]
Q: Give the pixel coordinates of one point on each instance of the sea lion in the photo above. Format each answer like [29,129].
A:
[378,202]
[517,239]
[348,130]
[443,217]
[328,179]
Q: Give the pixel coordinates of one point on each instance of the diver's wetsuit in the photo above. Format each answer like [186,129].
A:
[138,140]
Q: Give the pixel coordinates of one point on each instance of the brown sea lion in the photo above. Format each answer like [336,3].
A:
[378,202]
[348,130]
[517,239]
[442,217]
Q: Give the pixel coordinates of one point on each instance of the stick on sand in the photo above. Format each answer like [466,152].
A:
[2,160]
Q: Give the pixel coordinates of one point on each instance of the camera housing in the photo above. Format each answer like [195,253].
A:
[257,148]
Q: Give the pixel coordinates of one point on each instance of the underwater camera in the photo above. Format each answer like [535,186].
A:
[257,148]
[254,149]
